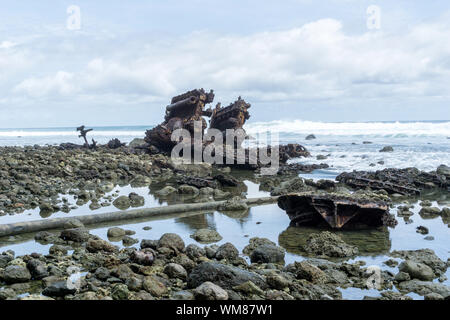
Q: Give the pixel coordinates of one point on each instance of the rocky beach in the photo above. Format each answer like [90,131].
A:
[146,260]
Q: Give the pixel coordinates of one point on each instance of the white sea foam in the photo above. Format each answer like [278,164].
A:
[376,129]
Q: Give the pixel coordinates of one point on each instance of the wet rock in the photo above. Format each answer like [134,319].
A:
[417,270]
[227,251]
[152,244]
[267,253]
[167,190]
[145,258]
[122,203]
[128,241]
[100,245]
[429,212]
[7,293]
[402,276]
[387,149]
[154,286]
[433,296]
[194,252]
[116,232]
[277,281]
[443,170]
[222,275]
[249,288]
[422,230]
[73,224]
[75,235]
[329,244]
[136,200]
[425,256]
[310,137]
[290,186]
[256,242]
[120,291]
[188,190]
[183,295]
[37,268]
[206,236]
[424,287]
[137,143]
[172,241]
[175,271]
[234,204]
[309,272]
[58,289]
[16,274]
[210,291]
[210,251]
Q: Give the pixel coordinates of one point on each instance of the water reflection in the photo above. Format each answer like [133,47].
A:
[369,241]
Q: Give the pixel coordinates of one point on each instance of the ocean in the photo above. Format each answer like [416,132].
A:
[421,144]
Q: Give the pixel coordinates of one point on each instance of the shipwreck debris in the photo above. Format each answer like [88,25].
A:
[182,113]
[230,117]
[409,181]
[335,211]
[83,133]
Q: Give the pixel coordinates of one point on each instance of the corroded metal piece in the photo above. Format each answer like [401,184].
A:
[409,181]
[231,117]
[336,211]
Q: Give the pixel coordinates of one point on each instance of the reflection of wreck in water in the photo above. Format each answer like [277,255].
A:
[369,242]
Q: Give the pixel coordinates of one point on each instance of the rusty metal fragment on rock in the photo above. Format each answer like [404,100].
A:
[292,150]
[335,211]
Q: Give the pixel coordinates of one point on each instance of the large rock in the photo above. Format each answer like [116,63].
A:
[443,170]
[307,271]
[154,286]
[425,256]
[75,235]
[210,291]
[58,289]
[417,270]
[267,253]
[227,251]
[329,244]
[256,242]
[175,271]
[16,274]
[206,236]
[100,245]
[171,240]
[222,275]
[37,268]
[122,203]
[424,287]
[116,232]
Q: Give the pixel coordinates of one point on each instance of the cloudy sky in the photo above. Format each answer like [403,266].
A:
[331,61]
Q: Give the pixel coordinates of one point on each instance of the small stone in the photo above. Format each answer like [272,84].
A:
[210,291]
[206,236]
[176,271]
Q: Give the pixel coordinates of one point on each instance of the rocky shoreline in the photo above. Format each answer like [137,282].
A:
[168,269]
[61,178]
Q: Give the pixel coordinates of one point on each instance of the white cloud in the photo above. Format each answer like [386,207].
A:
[315,61]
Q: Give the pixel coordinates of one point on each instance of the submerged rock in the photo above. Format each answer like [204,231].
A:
[329,244]
[206,236]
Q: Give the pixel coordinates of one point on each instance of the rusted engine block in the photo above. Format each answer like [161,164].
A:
[182,113]
[231,117]
[335,211]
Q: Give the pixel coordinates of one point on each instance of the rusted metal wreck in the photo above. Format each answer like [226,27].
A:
[335,211]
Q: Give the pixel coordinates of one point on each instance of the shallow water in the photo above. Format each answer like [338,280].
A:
[270,222]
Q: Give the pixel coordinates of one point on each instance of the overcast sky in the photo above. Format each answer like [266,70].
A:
[303,59]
